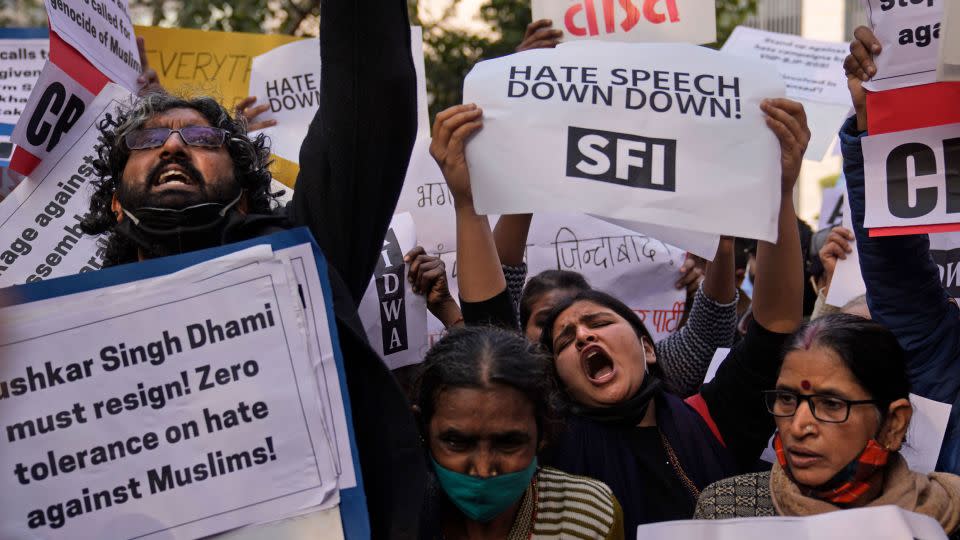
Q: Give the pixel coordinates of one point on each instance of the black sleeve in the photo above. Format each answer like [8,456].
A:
[354,157]
[496,311]
[734,396]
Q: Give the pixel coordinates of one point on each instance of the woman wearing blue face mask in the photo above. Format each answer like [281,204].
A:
[485,401]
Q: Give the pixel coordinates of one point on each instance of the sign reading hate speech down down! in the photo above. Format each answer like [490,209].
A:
[657,133]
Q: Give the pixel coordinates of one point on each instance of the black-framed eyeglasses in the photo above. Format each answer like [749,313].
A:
[784,403]
[204,136]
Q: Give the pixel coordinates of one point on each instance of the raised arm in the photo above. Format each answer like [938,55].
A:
[685,355]
[354,157]
[483,289]
[904,291]
[733,398]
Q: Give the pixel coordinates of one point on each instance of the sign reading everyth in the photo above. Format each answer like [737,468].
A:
[909,32]
[655,133]
[101,30]
[913,177]
[21,61]
[688,21]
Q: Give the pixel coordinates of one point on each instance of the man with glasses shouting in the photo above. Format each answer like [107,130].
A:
[183,174]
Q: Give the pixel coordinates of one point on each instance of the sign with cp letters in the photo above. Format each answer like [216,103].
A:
[909,31]
[688,21]
[656,133]
[913,178]
[56,104]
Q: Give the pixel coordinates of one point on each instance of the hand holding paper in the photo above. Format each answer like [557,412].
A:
[450,131]
[540,35]
[788,121]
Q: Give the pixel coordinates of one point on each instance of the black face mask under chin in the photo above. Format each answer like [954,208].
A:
[163,231]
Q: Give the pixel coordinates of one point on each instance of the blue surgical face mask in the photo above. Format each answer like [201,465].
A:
[482,499]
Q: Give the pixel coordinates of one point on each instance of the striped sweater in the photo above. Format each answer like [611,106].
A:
[561,505]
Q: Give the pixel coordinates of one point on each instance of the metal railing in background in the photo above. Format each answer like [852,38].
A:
[782,16]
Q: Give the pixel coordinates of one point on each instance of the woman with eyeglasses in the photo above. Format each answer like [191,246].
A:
[841,406]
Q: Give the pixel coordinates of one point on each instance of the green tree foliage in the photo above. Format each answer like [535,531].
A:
[451,52]
[296,17]
[22,13]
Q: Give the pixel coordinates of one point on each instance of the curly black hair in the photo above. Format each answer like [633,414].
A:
[251,160]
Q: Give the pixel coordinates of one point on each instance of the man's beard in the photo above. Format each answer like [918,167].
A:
[144,196]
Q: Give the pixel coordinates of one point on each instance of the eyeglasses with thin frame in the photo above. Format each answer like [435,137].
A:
[832,409]
[202,136]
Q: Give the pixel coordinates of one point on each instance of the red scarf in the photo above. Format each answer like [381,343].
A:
[851,482]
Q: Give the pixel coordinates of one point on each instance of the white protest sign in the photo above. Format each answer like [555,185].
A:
[55,105]
[190,394]
[287,79]
[101,30]
[700,244]
[909,32]
[394,317]
[813,73]
[644,132]
[426,197]
[21,61]
[811,69]
[945,252]
[925,434]
[887,522]
[948,63]
[688,21]
[831,208]
[639,270]
[913,177]
[847,282]
[40,235]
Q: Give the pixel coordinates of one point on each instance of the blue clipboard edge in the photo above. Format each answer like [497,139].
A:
[24,33]
[353,502]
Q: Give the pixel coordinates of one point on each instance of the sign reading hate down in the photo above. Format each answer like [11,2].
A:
[909,32]
[687,21]
[188,393]
[102,31]
[912,178]
[646,132]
